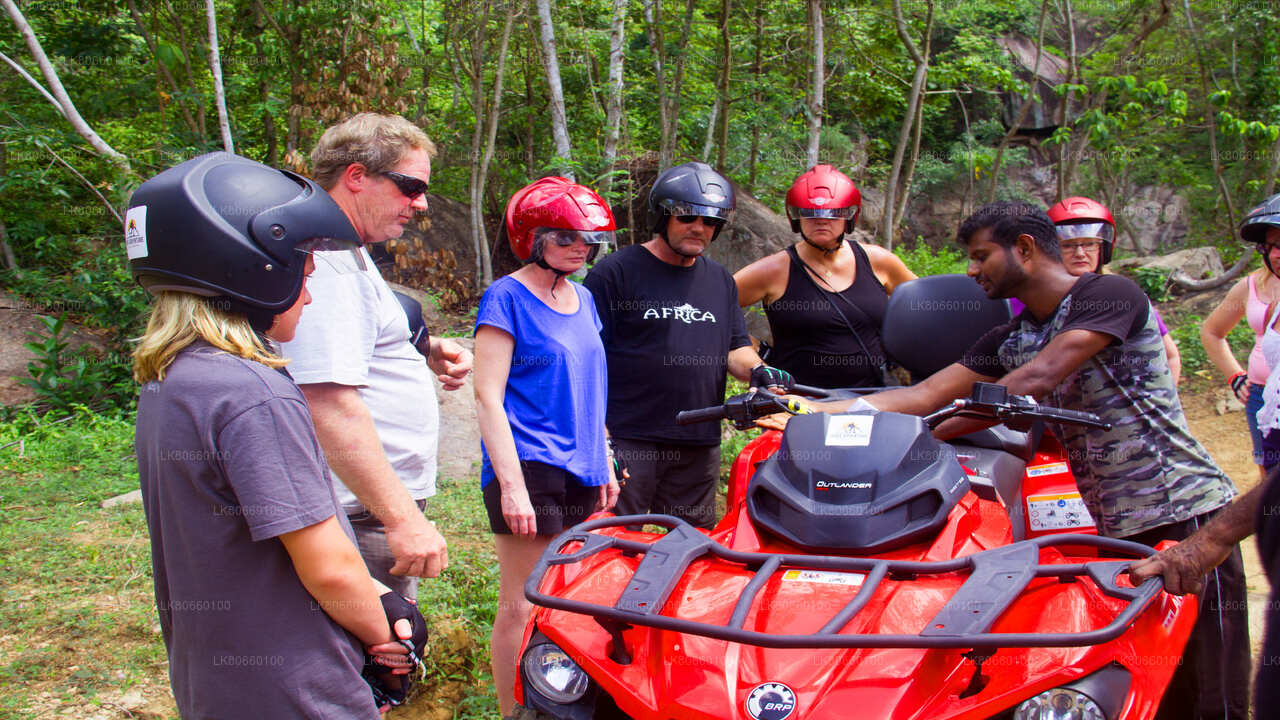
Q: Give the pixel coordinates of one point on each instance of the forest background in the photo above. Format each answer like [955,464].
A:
[913,98]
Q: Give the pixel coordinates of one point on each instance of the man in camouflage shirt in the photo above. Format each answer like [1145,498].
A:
[1091,344]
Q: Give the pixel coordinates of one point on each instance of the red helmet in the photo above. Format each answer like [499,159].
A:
[556,203]
[1078,217]
[823,192]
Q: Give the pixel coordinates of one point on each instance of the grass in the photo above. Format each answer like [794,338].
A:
[76,604]
[78,624]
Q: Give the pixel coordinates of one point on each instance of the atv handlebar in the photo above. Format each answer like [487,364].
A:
[746,408]
[990,401]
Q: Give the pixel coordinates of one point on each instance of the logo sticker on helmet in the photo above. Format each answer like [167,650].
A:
[135,232]
[771,701]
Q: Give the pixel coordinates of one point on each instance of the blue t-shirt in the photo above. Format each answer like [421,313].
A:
[557,384]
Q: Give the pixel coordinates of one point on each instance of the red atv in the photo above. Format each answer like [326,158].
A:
[862,569]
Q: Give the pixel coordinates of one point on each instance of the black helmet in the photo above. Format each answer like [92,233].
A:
[224,226]
[690,189]
[1254,228]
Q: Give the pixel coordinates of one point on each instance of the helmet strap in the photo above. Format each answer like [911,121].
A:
[542,263]
[1266,258]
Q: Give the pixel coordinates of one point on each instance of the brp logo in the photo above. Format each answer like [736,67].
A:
[771,701]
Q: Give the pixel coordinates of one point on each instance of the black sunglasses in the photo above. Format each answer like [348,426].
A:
[711,222]
[409,186]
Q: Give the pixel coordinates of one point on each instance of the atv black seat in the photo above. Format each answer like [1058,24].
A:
[932,320]
[1021,445]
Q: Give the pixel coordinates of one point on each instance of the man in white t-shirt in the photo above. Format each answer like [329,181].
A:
[369,389]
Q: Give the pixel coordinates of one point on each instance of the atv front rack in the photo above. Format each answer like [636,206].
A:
[996,578]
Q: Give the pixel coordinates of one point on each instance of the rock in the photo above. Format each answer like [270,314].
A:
[1227,402]
[1197,263]
[129,498]
[1157,217]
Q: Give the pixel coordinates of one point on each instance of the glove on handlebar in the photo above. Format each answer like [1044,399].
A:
[764,376]
[390,689]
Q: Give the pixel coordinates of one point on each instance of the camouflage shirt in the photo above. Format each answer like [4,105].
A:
[1147,470]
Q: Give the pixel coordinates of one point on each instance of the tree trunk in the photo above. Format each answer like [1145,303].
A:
[163,68]
[613,113]
[59,93]
[757,70]
[994,182]
[183,45]
[215,66]
[676,93]
[264,88]
[1064,114]
[1211,117]
[890,221]
[476,205]
[653,27]
[816,87]
[495,112]
[559,123]
[10,260]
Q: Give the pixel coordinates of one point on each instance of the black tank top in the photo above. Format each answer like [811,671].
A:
[813,343]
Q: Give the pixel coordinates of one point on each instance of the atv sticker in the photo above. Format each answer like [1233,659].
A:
[1049,469]
[1058,512]
[824,577]
[849,430]
[771,701]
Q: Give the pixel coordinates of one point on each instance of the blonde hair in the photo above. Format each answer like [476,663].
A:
[179,319]
[378,142]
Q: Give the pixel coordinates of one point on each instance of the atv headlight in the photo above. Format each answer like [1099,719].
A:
[1059,704]
[554,674]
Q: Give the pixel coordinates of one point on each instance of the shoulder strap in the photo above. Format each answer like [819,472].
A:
[808,274]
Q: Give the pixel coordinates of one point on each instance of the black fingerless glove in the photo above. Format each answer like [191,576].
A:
[765,376]
[388,688]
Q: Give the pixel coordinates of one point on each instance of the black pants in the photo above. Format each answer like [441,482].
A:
[670,479]
[1212,680]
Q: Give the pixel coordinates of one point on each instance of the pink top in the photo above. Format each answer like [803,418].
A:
[1255,311]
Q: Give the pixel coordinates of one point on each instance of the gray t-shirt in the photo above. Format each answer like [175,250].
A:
[228,461]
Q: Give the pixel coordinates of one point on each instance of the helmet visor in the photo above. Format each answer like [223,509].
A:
[688,209]
[1078,231]
[837,213]
[565,238]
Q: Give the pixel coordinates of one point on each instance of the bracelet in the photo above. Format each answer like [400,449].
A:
[1238,381]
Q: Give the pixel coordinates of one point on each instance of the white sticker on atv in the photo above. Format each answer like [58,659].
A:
[1058,512]
[824,577]
[849,430]
[1050,469]
[135,232]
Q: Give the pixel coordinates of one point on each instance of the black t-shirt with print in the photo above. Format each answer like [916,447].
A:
[668,331]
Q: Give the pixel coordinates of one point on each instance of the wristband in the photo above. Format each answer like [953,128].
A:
[1238,381]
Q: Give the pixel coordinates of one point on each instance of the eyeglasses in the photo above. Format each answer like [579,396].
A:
[1071,247]
[409,186]
[565,238]
[711,222]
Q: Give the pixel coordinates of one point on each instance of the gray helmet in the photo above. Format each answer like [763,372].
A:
[223,226]
[1254,228]
[690,189]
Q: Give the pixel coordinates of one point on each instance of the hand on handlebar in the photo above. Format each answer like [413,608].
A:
[774,379]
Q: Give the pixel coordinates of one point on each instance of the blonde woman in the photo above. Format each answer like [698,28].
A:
[266,608]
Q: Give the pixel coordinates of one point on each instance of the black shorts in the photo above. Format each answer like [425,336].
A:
[559,500]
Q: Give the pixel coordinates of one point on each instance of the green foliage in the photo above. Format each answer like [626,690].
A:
[1154,282]
[64,377]
[924,260]
[1195,362]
